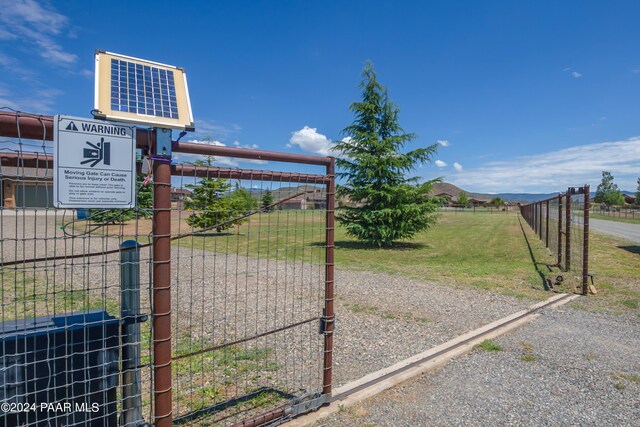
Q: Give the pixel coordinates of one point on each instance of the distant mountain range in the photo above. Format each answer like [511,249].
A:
[451,189]
[532,197]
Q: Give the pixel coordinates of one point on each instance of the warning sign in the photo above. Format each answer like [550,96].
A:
[94,164]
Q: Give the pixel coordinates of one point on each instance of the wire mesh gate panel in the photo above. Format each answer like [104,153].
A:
[562,224]
[209,304]
[248,285]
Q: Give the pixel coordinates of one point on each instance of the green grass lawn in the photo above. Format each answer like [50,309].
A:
[482,251]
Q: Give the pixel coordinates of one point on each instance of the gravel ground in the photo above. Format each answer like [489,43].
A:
[383,319]
[583,368]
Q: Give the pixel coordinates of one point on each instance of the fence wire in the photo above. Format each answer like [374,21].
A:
[70,349]
[561,223]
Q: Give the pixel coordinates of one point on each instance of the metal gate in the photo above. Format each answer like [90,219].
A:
[211,303]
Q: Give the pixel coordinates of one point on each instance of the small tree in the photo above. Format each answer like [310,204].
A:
[267,201]
[463,199]
[385,205]
[214,205]
[608,192]
[496,201]
[143,206]
[638,193]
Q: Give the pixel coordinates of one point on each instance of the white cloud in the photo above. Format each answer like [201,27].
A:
[37,27]
[457,166]
[556,170]
[443,142]
[440,163]
[308,139]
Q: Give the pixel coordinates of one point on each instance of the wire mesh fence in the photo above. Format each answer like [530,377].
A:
[629,212]
[210,303]
[562,224]
[71,339]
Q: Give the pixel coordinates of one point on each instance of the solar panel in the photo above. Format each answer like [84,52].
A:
[143,89]
[140,91]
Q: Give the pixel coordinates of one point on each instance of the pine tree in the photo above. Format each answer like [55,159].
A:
[215,206]
[385,206]
[608,192]
[267,201]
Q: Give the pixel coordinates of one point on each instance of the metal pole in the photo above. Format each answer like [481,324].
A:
[567,234]
[547,225]
[162,285]
[130,316]
[585,242]
[560,231]
[328,289]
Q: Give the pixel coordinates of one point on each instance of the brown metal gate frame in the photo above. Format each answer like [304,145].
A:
[29,126]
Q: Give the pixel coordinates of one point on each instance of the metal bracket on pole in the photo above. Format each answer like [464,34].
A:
[163,143]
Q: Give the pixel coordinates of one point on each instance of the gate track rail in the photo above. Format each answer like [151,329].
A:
[400,372]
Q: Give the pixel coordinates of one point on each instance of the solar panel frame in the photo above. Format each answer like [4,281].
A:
[140,91]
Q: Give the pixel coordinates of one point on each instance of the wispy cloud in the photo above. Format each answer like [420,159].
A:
[457,166]
[32,31]
[575,74]
[443,142]
[310,140]
[212,129]
[556,170]
[38,27]
[43,102]
[217,160]
[440,163]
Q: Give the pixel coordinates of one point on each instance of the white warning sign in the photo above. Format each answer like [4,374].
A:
[94,164]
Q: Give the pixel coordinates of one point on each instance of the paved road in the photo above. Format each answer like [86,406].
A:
[616,228]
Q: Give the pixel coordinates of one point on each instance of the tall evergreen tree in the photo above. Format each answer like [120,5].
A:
[638,193]
[385,206]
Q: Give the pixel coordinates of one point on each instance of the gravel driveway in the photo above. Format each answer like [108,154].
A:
[569,367]
[616,228]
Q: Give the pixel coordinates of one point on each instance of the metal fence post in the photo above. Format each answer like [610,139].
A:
[547,226]
[130,316]
[567,234]
[585,248]
[162,281]
[560,232]
[328,292]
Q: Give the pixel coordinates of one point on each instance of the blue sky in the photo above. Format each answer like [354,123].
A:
[523,96]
